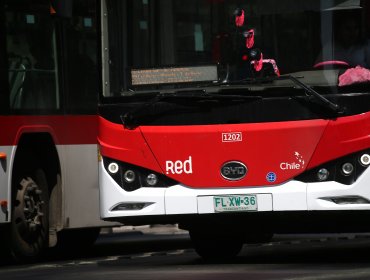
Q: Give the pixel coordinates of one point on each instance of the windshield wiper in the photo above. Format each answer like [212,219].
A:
[309,90]
[129,119]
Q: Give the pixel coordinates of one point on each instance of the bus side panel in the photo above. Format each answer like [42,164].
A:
[80,185]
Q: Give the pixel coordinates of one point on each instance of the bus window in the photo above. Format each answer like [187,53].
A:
[31,56]
[3,63]
[80,58]
[287,39]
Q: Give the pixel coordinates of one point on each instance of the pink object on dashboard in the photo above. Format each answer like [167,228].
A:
[354,76]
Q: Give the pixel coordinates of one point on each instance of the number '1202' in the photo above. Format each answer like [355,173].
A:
[232,137]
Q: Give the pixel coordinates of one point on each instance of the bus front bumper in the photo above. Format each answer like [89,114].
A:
[291,196]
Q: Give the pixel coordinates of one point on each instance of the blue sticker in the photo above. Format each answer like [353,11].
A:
[271,177]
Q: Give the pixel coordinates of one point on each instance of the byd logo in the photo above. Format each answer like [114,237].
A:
[233,170]
[179,167]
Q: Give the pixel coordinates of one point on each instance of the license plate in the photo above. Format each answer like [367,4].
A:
[235,203]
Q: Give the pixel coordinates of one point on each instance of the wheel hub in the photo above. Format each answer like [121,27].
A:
[29,208]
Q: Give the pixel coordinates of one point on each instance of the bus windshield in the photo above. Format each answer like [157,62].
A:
[160,44]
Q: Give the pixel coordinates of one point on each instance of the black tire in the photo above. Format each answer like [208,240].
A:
[29,227]
[219,247]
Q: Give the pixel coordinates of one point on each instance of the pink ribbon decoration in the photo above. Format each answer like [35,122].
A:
[249,42]
[271,61]
[274,66]
[258,64]
[239,20]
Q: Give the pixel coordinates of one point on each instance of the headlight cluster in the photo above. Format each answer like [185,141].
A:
[131,177]
[344,170]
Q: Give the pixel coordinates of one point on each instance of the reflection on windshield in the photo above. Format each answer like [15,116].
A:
[245,39]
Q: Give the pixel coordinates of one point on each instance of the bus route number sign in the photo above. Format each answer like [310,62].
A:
[174,75]
[235,203]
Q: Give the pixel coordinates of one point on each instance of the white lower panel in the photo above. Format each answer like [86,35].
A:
[80,186]
[319,194]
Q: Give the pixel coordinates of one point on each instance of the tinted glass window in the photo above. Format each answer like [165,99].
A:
[245,39]
[80,53]
[31,52]
[4,101]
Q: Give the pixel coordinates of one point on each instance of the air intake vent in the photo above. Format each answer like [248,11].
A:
[343,200]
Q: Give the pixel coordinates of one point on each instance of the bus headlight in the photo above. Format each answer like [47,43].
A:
[113,167]
[365,159]
[348,168]
[132,177]
[345,170]
[129,176]
[152,179]
[323,174]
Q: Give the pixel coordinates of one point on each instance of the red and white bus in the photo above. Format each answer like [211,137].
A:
[236,119]
[48,147]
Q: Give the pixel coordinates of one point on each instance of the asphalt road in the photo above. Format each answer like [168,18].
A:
[133,255]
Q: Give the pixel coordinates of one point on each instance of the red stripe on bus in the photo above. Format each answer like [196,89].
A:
[65,130]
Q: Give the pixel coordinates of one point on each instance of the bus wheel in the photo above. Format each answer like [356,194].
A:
[29,223]
[220,247]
